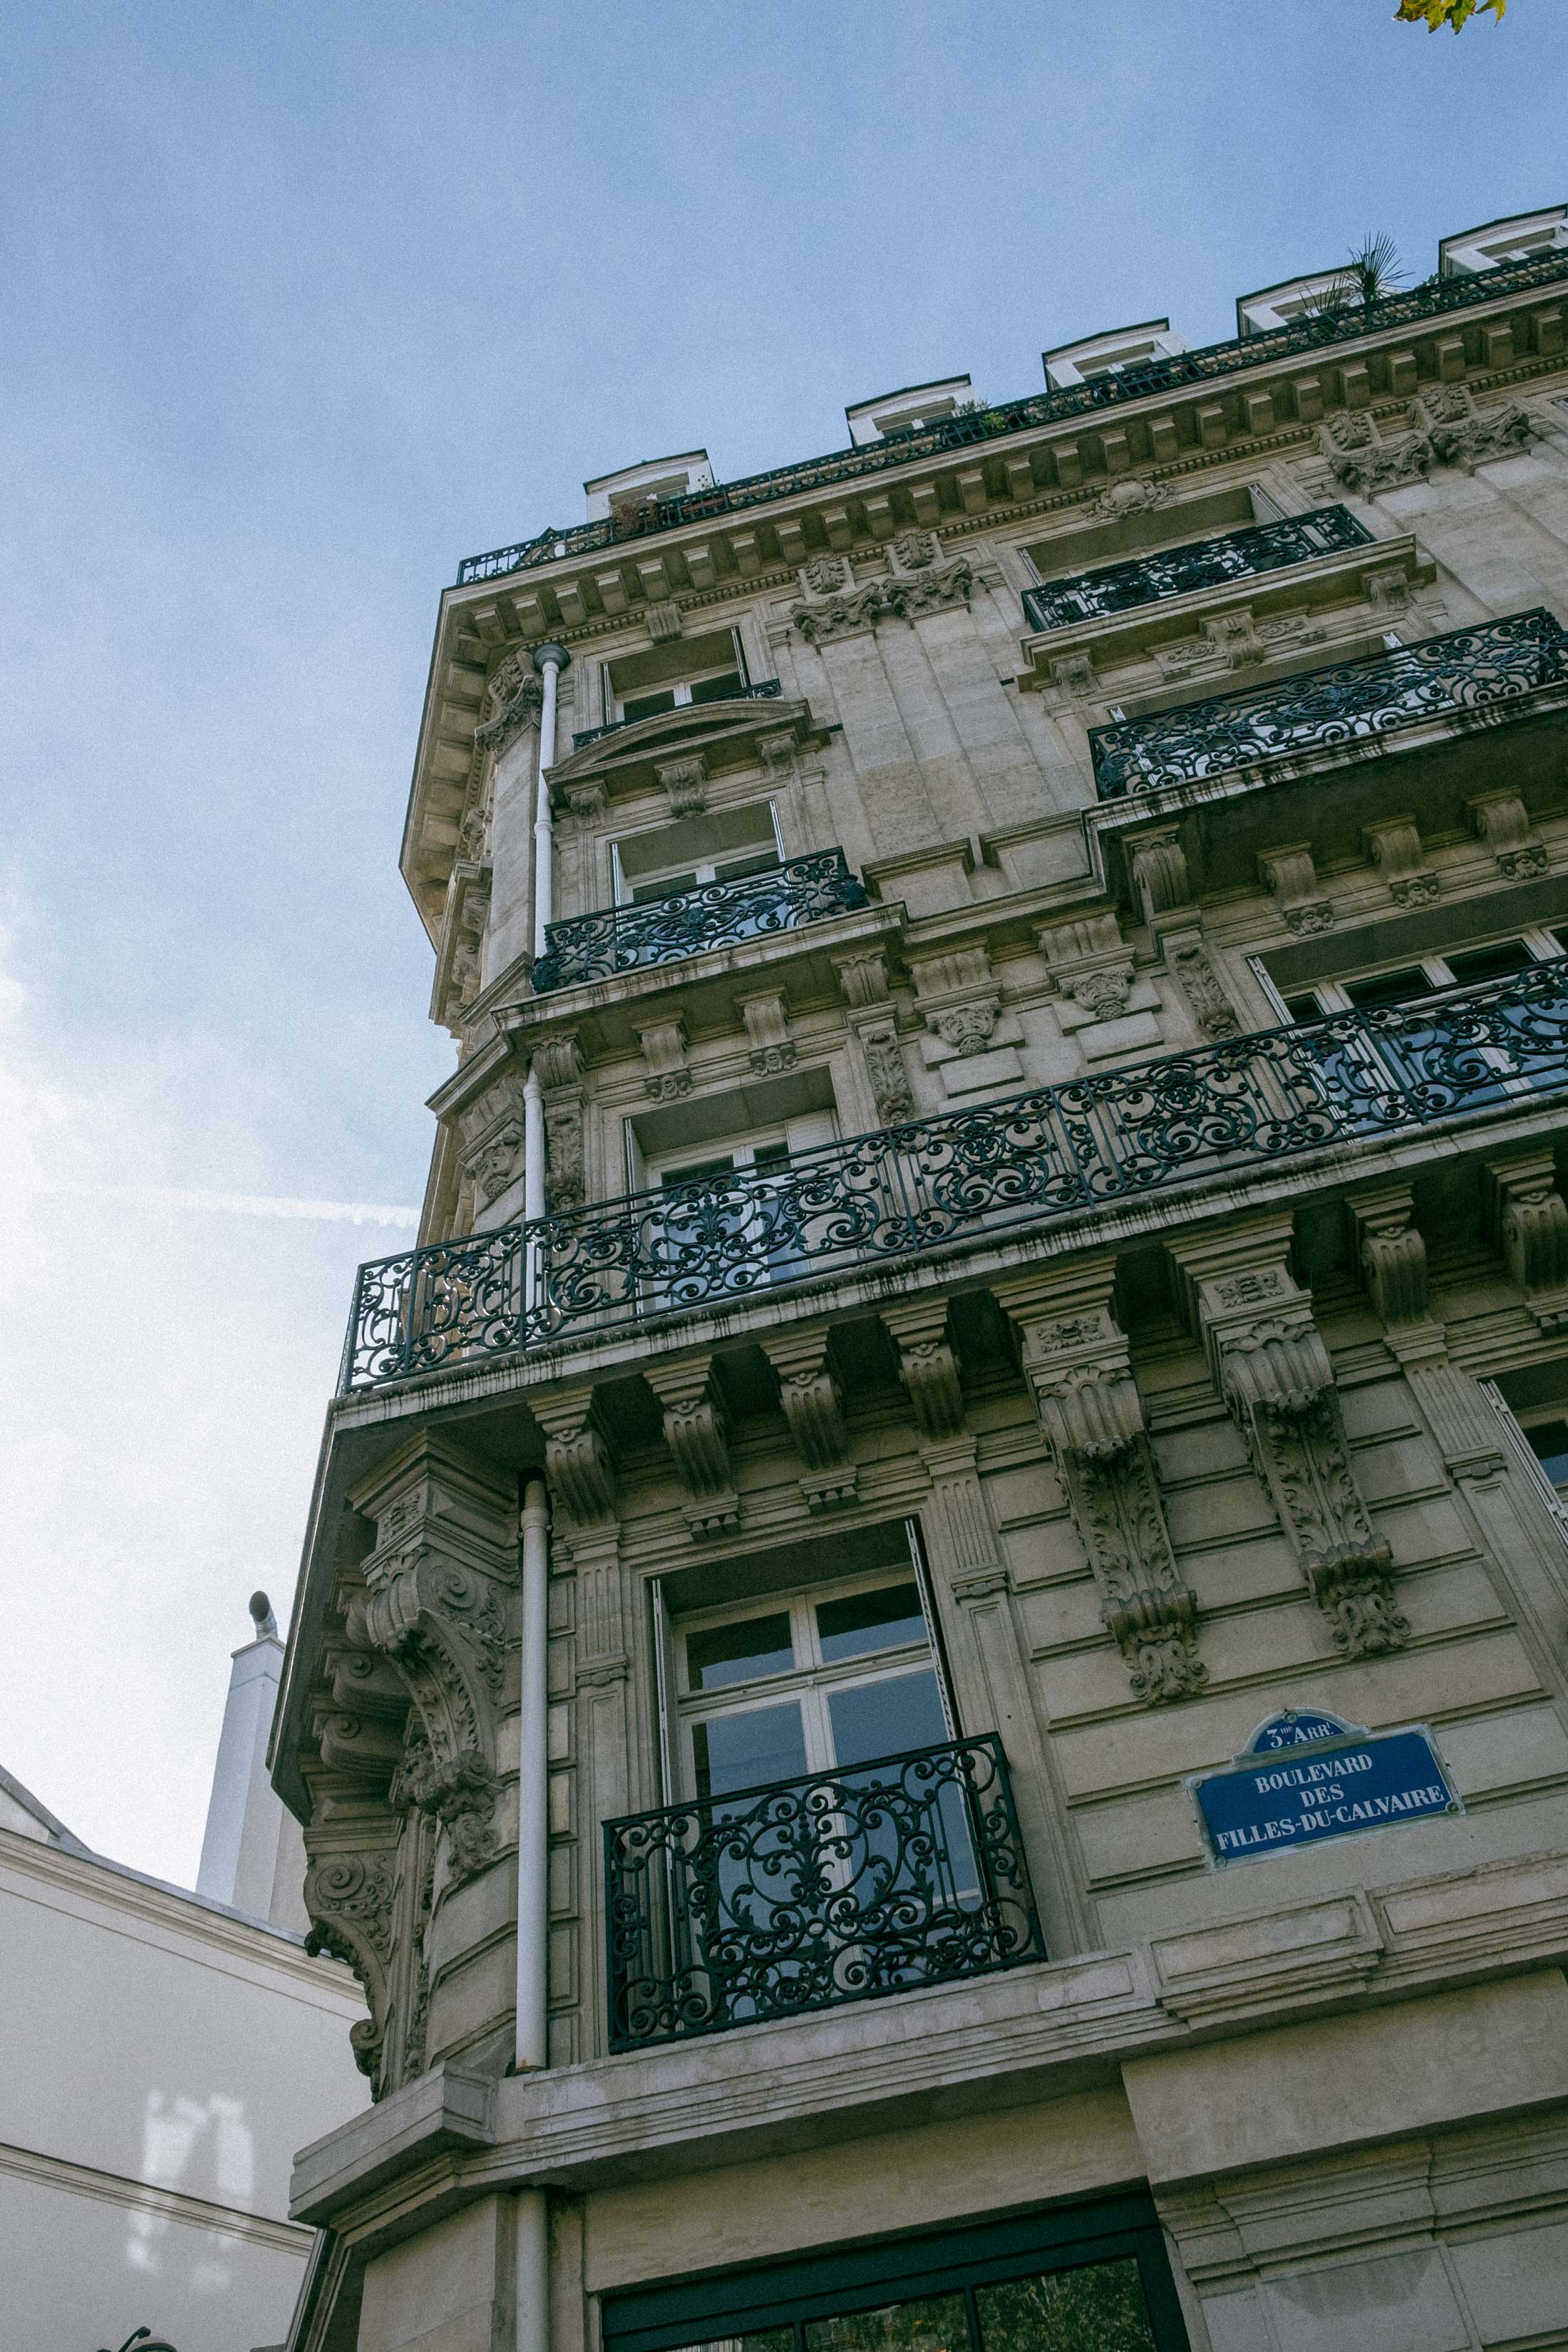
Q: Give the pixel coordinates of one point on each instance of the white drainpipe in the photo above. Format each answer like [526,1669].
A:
[532,1182]
[534,1898]
[549,659]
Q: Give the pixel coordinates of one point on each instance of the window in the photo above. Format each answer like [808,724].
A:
[821,1682]
[726,1223]
[672,676]
[1093,2277]
[720,845]
[1406,984]
[1537,1437]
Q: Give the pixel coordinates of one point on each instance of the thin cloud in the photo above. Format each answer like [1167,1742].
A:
[245,1204]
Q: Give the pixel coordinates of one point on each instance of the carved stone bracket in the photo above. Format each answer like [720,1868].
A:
[877,1035]
[558,1066]
[349,1898]
[1393,1254]
[1394,848]
[1292,877]
[1188,959]
[1363,458]
[1533,1233]
[1157,869]
[1076,1364]
[437,1603]
[772,1050]
[696,1430]
[862,978]
[667,1077]
[814,1406]
[845,606]
[928,1365]
[1459,433]
[578,1464]
[1272,1369]
[685,783]
[460,951]
[490,1127]
[1502,822]
[512,702]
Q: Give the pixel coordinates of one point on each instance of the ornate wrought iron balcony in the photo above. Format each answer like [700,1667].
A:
[1061,1151]
[847,1885]
[715,914]
[1214,361]
[765,690]
[1493,662]
[1202,563]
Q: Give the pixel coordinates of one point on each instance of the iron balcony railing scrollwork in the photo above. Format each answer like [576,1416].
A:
[1059,1151]
[687,923]
[843,1886]
[1467,669]
[1211,362]
[766,689]
[1200,563]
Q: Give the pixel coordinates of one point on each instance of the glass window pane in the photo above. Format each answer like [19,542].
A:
[714,689]
[1303,1008]
[935,2324]
[1389,988]
[1498,962]
[1097,2308]
[765,2339]
[883,1719]
[742,1750]
[865,1622]
[734,1654]
[1549,1442]
[648,706]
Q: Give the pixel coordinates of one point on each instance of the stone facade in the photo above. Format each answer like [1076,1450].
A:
[1175,1415]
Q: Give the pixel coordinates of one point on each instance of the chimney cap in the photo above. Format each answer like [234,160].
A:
[266,1623]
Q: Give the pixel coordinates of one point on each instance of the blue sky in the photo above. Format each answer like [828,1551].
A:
[301,304]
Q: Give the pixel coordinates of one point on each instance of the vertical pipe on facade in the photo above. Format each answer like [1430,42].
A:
[549,660]
[532,1186]
[533,2213]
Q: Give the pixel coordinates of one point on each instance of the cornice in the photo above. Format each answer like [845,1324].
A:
[230,2222]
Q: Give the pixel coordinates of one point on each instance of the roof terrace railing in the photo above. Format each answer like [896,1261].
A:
[1496,661]
[1031,1160]
[1436,298]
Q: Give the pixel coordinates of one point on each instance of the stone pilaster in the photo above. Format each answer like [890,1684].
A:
[1271,1365]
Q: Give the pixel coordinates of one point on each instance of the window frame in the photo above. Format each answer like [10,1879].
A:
[615,702]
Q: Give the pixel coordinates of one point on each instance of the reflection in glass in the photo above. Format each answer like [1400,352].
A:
[745,1749]
[734,1654]
[862,1622]
[884,1718]
[935,2324]
[765,2340]
[1097,2308]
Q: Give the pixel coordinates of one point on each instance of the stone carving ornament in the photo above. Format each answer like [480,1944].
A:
[849,607]
[512,702]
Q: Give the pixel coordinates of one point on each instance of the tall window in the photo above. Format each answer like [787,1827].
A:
[672,676]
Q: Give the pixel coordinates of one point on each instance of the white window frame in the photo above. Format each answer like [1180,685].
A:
[614,704]
[705,870]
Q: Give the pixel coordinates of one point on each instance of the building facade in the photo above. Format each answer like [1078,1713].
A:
[998,1219]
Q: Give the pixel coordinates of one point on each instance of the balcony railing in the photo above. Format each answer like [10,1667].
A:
[841,1886]
[1437,298]
[765,690]
[715,914]
[1462,671]
[1061,1152]
[1202,563]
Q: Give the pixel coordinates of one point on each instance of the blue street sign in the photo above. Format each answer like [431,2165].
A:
[1305,1778]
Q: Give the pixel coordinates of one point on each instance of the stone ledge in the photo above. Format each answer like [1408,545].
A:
[1028,2034]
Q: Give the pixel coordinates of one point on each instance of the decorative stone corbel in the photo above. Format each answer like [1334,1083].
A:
[1394,848]
[1078,1366]
[1459,434]
[1271,1367]
[1291,877]
[588,803]
[862,978]
[697,1431]
[459,952]
[1532,1232]
[557,1064]
[928,1365]
[1157,869]
[1188,959]
[490,1127]
[969,1039]
[1393,1254]
[685,783]
[438,1603]
[1502,822]
[767,1025]
[349,1899]
[1362,459]
[513,701]
[578,1464]
[886,1074]
[813,1407]
[667,1077]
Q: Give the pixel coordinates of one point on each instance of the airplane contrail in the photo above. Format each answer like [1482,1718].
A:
[246,1205]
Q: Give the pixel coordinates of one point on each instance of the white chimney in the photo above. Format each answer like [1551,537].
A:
[253,1854]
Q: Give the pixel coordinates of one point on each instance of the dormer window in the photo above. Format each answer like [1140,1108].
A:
[1292,299]
[626,495]
[1524,237]
[1111,354]
[894,413]
[672,675]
